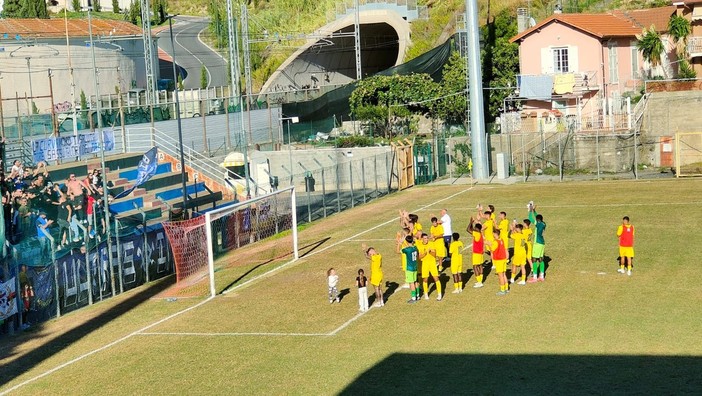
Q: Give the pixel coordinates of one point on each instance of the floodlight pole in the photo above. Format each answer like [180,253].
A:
[101,137]
[475,90]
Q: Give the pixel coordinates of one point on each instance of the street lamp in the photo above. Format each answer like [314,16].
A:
[177,111]
[293,120]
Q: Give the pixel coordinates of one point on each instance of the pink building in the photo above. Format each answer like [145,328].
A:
[581,66]
[692,10]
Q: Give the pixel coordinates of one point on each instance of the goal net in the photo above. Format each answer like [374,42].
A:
[218,249]
[688,154]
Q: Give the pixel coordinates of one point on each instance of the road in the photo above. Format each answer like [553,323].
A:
[191,53]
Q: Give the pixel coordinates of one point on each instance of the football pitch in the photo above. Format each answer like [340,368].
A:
[586,329]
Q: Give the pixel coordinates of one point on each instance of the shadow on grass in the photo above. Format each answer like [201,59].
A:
[343,293]
[308,249]
[45,351]
[530,375]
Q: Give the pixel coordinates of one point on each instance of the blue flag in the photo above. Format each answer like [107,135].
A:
[146,169]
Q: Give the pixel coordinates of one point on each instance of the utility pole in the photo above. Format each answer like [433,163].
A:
[73,82]
[357,39]
[235,76]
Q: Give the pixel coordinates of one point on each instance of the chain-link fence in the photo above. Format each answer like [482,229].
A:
[326,190]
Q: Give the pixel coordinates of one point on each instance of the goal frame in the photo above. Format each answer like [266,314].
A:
[232,208]
[678,154]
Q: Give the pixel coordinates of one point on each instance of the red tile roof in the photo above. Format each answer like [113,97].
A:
[613,24]
[51,28]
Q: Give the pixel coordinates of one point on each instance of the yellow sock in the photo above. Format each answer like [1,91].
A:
[438,287]
[523,276]
[426,287]
[621,266]
[460,285]
[479,278]
[455,286]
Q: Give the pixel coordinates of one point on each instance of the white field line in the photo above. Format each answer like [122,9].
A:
[235,334]
[143,329]
[102,348]
[614,205]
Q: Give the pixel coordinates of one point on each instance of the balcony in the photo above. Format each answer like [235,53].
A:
[694,46]
[558,85]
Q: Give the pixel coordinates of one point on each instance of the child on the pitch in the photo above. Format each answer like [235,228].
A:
[475,229]
[625,232]
[411,254]
[427,254]
[456,263]
[376,274]
[538,250]
[499,260]
[361,282]
[437,236]
[332,281]
[520,253]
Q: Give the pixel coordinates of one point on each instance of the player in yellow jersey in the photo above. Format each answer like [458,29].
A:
[520,253]
[376,274]
[436,233]
[401,244]
[504,226]
[528,240]
[455,250]
[427,254]
[475,229]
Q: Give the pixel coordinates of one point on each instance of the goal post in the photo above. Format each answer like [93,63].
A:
[688,154]
[212,250]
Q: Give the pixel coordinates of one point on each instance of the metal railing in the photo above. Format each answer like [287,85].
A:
[142,139]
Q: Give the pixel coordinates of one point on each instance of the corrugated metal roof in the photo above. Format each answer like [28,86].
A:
[613,24]
[51,28]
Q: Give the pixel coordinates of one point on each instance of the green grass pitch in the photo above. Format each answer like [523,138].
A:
[586,330]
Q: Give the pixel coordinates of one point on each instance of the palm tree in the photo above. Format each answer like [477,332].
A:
[679,29]
[651,46]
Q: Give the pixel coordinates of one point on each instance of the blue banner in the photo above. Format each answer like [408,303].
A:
[67,147]
[145,170]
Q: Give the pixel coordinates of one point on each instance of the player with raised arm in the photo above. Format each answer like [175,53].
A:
[412,256]
[538,250]
[437,237]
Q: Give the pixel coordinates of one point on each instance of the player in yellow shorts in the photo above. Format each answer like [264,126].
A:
[504,227]
[528,234]
[455,250]
[376,274]
[427,254]
[499,260]
[520,253]
[437,234]
[625,232]
[476,231]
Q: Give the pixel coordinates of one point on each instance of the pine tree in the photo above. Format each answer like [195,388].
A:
[115,7]
[75,4]
[33,9]
[12,9]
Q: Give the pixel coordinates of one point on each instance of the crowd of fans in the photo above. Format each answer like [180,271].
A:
[34,205]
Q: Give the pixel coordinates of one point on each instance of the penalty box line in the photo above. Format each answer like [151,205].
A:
[256,334]
[143,329]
